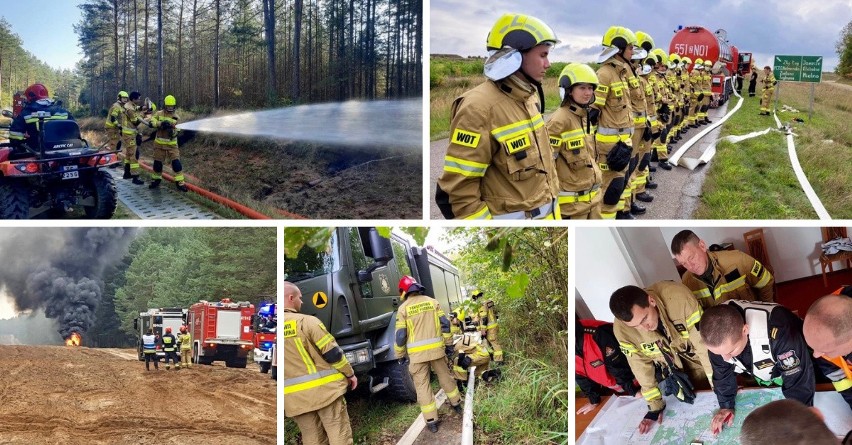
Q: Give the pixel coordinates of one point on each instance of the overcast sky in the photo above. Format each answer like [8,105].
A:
[765,28]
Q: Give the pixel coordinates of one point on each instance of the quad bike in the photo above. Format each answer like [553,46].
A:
[61,173]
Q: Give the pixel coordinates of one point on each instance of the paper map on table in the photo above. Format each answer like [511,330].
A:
[618,421]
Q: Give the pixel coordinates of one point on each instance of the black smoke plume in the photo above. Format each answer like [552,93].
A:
[60,270]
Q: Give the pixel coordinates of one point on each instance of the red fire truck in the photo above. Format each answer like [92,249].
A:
[221,331]
[265,323]
[697,42]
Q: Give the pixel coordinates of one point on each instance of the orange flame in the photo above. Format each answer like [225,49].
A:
[73,340]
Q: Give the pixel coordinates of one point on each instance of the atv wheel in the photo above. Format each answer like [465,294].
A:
[14,201]
[104,194]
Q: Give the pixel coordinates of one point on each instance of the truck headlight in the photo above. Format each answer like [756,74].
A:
[358,356]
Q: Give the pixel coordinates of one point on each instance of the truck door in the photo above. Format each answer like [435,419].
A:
[379,295]
[311,270]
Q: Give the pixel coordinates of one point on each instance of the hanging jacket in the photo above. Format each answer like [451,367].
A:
[599,361]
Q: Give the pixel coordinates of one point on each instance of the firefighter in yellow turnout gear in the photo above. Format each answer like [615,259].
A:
[113,121]
[644,116]
[130,138]
[572,138]
[185,340]
[486,322]
[615,126]
[166,144]
[315,376]
[657,329]
[769,83]
[499,163]
[423,340]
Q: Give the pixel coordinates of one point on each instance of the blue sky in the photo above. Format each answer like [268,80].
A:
[763,27]
[46,28]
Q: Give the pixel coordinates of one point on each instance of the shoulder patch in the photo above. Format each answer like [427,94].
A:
[596,363]
[289,328]
[465,138]
[756,268]
[555,142]
[788,360]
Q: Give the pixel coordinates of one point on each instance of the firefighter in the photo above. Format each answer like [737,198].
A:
[664,100]
[170,348]
[423,341]
[130,137]
[487,324]
[571,129]
[714,277]
[673,81]
[615,126]
[166,144]
[24,130]
[600,363]
[769,83]
[185,340]
[499,164]
[688,93]
[644,120]
[315,376]
[149,350]
[763,340]
[457,321]
[752,83]
[657,329]
[113,121]
[469,351]
[828,331]
[707,90]
[696,79]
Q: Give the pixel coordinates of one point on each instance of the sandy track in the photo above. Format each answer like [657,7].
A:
[56,394]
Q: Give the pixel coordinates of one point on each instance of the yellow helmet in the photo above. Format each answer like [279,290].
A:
[645,41]
[476,294]
[123,95]
[686,60]
[519,31]
[619,37]
[170,101]
[699,61]
[573,74]
[661,55]
[708,63]
[674,60]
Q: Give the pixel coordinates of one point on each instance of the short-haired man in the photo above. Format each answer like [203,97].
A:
[787,422]
[828,330]
[657,328]
[714,277]
[763,340]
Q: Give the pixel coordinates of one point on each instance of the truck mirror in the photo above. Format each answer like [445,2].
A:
[6,113]
[380,248]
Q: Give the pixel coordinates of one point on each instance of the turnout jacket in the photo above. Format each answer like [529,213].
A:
[677,336]
[499,159]
[736,276]
[315,368]
[572,138]
[422,329]
[789,357]
[599,361]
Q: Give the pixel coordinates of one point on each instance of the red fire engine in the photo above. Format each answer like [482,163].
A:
[221,331]
[697,42]
[265,324]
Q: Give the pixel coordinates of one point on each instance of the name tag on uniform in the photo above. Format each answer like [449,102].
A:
[576,143]
[517,144]
[418,308]
[465,138]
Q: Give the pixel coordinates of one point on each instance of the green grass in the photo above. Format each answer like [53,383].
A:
[753,179]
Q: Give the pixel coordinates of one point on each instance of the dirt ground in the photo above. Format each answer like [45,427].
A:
[80,395]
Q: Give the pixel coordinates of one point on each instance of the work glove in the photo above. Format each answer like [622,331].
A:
[594,114]
[448,350]
[646,134]
[677,383]
[138,139]
[464,361]
[665,109]
[700,97]
[619,156]
[166,125]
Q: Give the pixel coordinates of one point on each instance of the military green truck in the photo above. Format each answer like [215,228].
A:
[351,285]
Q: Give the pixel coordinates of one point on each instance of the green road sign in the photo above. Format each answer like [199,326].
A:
[798,68]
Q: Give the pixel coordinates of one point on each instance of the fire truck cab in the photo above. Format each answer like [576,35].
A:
[221,330]
[157,319]
[265,323]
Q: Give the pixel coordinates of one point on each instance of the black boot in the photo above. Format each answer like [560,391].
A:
[137,181]
[624,215]
[645,196]
[154,184]
[636,209]
[433,426]
[182,187]
[650,185]
[458,408]
[652,169]
[664,165]
[127,174]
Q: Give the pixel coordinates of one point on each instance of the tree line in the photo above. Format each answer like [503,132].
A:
[176,267]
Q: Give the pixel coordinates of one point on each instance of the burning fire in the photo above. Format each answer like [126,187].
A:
[73,340]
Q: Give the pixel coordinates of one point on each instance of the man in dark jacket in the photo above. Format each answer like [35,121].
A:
[25,127]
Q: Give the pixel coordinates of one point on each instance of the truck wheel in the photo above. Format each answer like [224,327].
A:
[103,186]
[236,363]
[264,367]
[14,201]
[400,385]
